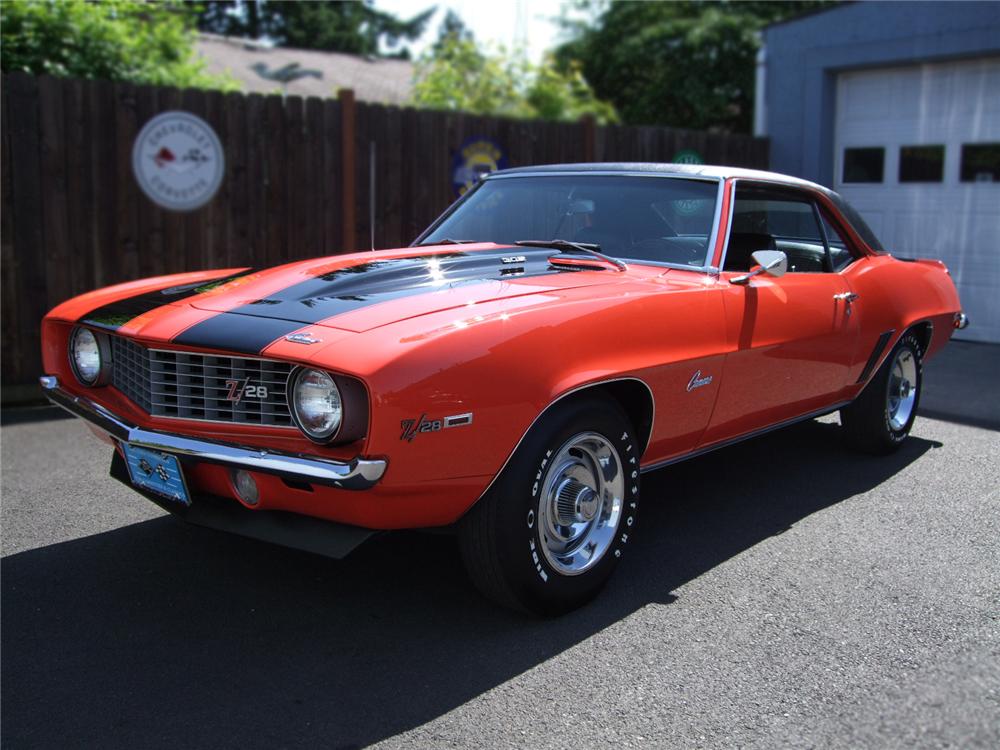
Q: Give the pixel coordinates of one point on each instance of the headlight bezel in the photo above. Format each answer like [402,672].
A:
[353,404]
[294,380]
[103,375]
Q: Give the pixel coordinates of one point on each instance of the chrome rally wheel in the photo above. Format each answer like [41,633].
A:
[880,418]
[580,503]
[549,533]
[902,394]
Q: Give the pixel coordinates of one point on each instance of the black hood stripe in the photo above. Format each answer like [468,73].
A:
[252,327]
[113,316]
[236,333]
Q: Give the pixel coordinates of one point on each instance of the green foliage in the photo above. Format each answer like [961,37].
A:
[119,40]
[458,76]
[685,64]
[354,27]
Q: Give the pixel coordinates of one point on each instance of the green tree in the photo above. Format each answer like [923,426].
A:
[452,28]
[685,64]
[119,40]
[458,76]
[354,27]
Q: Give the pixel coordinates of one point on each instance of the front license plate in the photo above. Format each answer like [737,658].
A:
[156,472]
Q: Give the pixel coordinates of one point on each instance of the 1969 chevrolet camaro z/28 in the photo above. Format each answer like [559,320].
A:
[557,332]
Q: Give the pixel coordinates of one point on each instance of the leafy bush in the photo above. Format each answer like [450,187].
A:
[459,76]
[118,40]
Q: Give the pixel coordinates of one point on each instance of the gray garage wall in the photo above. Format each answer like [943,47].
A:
[804,56]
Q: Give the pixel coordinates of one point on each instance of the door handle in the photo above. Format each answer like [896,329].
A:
[846,296]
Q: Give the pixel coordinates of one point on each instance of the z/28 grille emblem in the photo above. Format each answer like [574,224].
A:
[240,388]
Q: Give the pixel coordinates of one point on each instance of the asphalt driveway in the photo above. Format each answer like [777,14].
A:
[785,592]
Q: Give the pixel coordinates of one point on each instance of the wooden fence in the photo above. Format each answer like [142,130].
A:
[298,184]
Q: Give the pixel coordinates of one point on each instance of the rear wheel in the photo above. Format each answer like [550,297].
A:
[549,533]
[881,417]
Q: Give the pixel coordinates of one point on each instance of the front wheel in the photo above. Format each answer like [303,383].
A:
[881,417]
[549,533]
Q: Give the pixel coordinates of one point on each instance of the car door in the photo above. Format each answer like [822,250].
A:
[791,339]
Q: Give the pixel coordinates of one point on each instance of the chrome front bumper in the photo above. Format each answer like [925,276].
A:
[356,474]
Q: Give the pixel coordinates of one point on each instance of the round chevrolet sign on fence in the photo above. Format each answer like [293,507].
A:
[178,161]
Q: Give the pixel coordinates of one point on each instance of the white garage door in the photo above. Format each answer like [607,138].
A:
[917,152]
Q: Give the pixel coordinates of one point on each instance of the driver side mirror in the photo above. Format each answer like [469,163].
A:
[771,262]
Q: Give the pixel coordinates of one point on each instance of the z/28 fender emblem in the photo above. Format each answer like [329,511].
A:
[413,427]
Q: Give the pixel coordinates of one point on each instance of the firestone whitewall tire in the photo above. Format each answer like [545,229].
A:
[880,418]
[550,532]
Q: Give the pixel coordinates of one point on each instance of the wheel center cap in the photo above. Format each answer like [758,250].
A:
[576,503]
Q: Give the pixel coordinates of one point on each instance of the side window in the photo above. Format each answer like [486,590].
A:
[840,252]
[768,219]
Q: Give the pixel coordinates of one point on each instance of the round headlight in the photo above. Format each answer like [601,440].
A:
[85,355]
[316,404]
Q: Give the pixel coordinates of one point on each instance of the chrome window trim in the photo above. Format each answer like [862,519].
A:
[805,191]
[729,226]
[706,267]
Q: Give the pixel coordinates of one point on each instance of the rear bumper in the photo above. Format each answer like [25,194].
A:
[356,474]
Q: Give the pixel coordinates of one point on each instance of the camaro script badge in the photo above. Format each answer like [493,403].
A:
[697,381]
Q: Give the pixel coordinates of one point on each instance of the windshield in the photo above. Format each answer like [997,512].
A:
[659,219]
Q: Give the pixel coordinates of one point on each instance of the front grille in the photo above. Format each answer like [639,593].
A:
[183,385]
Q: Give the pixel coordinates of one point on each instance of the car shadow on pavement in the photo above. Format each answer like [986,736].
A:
[163,634]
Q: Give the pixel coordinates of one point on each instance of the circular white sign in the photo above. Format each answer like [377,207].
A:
[178,161]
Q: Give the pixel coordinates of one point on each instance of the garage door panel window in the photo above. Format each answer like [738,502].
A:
[864,164]
[921,163]
[980,162]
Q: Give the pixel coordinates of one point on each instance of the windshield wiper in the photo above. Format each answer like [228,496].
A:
[447,241]
[566,246]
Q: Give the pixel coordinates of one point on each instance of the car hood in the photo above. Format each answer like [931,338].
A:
[361,292]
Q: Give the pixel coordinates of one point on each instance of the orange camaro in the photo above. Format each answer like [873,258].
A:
[557,332]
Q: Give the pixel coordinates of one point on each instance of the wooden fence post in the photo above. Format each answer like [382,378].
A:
[348,115]
[589,125]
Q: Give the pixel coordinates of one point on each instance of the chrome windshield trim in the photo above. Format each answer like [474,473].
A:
[729,227]
[356,474]
[605,173]
[706,267]
[710,250]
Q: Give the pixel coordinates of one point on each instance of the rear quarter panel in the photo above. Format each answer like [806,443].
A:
[896,295]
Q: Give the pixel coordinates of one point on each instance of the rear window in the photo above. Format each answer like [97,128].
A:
[857,223]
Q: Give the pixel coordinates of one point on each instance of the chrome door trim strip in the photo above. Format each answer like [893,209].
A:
[741,438]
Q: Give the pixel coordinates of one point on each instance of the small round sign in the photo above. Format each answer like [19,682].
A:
[687,156]
[178,161]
